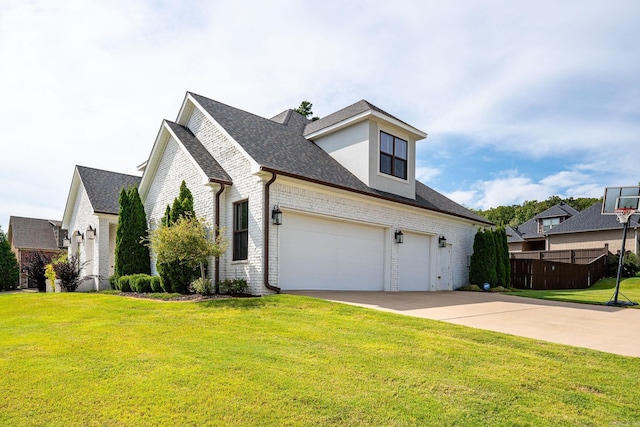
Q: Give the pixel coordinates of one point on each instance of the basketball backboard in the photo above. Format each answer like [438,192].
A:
[620,198]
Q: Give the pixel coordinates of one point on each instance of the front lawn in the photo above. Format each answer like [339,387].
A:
[94,359]
[600,293]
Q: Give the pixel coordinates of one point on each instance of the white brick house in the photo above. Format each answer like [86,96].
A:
[91,219]
[345,185]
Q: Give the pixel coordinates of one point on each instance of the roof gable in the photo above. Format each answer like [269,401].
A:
[33,233]
[103,188]
[591,219]
[200,155]
[353,113]
[278,145]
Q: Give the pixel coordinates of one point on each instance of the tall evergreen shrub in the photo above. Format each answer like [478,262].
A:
[483,260]
[9,268]
[131,254]
[506,257]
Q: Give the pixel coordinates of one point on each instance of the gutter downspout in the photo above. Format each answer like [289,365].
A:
[266,223]
[217,228]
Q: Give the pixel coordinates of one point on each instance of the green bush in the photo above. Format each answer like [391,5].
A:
[9,269]
[630,265]
[140,283]
[123,284]
[472,288]
[202,286]
[156,284]
[113,282]
[233,287]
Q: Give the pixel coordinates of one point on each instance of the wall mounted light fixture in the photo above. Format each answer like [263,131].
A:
[399,237]
[442,241]
[276,215]
[91,233]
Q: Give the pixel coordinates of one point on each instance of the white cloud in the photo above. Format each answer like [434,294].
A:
[89,83]
[425,174]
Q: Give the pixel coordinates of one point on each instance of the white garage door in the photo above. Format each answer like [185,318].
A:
[318,253]
[414,262]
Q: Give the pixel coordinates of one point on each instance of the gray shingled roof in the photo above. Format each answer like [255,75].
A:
[591,219]
[33,233]
[103,188]
[280,146]
[512,235]
[529,230]
[559,210]
[344,114]
[205,160]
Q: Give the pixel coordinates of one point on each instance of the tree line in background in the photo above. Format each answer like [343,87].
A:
[517,214]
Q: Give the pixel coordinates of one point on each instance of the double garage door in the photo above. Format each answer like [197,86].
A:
[322,254]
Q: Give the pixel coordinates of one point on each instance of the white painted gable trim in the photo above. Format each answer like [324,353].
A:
[164,135]
[71,198]
[183,118]
[370,114]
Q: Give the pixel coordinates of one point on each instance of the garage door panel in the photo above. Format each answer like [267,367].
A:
[318,253]
[414,262]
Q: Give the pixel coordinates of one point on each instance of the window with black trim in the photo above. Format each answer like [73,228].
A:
[393,155]
[240,230]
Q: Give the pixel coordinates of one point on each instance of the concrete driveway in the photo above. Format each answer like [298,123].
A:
[610,329]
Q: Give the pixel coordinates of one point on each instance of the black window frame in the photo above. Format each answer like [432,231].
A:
[241,230]
[394,158]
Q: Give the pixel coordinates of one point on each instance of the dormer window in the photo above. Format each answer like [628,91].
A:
[393,155]
[547,224]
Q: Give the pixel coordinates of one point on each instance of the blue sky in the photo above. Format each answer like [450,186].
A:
[521,100]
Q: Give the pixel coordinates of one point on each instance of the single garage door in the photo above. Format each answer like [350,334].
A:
[318,253]
[414,262]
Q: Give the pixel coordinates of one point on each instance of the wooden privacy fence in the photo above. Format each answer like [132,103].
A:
[573,256]
[540,274]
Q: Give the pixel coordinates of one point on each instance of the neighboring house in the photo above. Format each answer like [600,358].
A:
[531,235]
[343,188]
[591,229]
[27,235]
[91,218]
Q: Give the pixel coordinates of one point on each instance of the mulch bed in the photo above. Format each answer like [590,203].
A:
[186,297]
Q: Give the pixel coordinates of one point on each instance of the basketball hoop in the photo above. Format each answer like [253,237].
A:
[623,214]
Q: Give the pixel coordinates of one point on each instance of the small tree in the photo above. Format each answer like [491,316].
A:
[305,110]
[68,271]
[9,268]
[186,242]
[175,275]
[35,266]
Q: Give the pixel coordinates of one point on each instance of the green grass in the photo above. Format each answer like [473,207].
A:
[105,360]
[600,293]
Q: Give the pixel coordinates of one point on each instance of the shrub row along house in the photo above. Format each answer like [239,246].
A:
[327,204]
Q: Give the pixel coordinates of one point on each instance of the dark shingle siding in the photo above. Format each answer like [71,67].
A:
[103,188]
